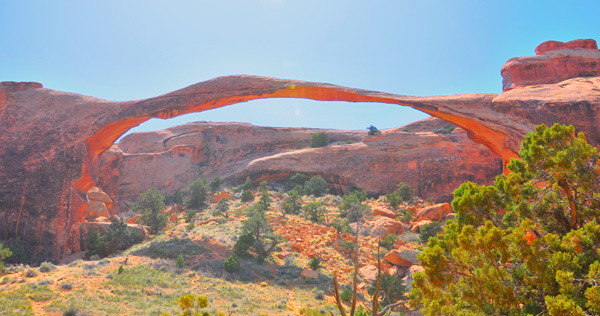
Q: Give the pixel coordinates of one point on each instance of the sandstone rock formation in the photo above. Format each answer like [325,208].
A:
[403,257]
[434,212]
[50,141]
[172,159]
[554,62]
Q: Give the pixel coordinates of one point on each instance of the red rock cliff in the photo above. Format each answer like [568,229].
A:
[50,141]
[171,159]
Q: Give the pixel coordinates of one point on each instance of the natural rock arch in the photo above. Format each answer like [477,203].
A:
[50,141]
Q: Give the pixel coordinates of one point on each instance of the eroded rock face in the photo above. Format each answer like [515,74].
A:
[50,141]
[172,159]
[554,62]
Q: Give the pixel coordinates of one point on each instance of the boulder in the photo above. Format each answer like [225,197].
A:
[416,227]
[407,280]
[403,257]
[380,211]
[368,273]
[309,274]
[434,212]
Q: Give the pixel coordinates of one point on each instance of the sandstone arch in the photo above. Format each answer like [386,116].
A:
[50,140]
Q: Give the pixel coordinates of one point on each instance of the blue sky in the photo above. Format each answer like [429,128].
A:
[124,50]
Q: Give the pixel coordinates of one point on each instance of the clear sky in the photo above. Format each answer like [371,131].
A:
[126,49]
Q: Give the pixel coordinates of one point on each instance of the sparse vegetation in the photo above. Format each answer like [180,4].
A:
[444,130]
[247,196]
[232,265]
[117,237]
[318,139]
[388,241]
[429,230]
[292,203]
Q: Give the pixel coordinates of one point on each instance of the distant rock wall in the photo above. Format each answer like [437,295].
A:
[171,159]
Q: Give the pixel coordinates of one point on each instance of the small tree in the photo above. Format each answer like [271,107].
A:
[314,211]
[298,179]
[319,139]
[373,130]
[197,193]
[215,184]
[429,230]
[247,196]
[180,262]
[257,236]
[151,204]
[292,203]
[223,207]
[265,199]
[315,186]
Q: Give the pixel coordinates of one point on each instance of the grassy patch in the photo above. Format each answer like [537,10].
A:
[170,249]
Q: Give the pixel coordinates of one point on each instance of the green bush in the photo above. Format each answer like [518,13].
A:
[247,196]
[292,203]
[243,244]
[341,225]
[315,186]
[389,241]
[117,237]
[315,263]
[18,249]
[444,130]
[180,262]
[392,286]
[403,193]
[347,245]
[429,230]
[346,295]
[319,139]
[222,207]
[4,253]
[215,184]
[197,194]
[298,179]
[232,264]
[314,211]
[151,204]
[189,216]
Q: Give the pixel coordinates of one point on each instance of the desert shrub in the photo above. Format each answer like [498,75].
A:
[197,194]
[47,267]
[31,273]
[245,186]
[347,245]
[180,262]
[215,184]
[151,204]
[66,286]
[71,311]
[265,199]
[314,211]
[171,248]
[407,216]
[429,230]
[315,186]
[232,265]
[247,196]
[373,130]
[189,215]
[4,253]
[292,203]
[318,139]
[177,198]
[341,225]
[314,263]
[444,130]
[243,244]
[348,200]
[388,241]
[346,295]
[403,193]
[117,237]
[298,179]
[357,212]
[18,249]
